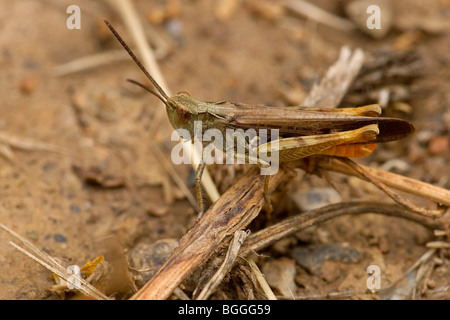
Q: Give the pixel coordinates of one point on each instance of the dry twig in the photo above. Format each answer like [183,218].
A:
[261,280]
[319,15]
[391,194]
[233,211]
[29,144]
[438,245]
[52,265]
[131,20]
[89,62]
[232,253]
[289,226]
[409,185]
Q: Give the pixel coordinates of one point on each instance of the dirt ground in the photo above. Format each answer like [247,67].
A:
[96,187]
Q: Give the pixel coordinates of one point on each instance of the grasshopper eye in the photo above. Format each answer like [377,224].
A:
[183,113]
[183,93]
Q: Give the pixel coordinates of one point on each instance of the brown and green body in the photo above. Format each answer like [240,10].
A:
[303,131]
[290,121]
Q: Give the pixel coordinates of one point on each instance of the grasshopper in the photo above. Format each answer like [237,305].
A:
[304,131]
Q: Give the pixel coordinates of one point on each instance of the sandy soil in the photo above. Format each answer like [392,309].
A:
[107,186]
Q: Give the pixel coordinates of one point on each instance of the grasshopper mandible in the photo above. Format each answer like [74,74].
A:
[304,131]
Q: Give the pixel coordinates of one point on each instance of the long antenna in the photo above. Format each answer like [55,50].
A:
[152,91]
[136,60]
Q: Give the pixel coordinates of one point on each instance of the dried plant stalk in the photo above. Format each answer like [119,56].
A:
[289,226]
[51,264]
[232,253]
[317,14]
[396,197]
[399,182]
[240,204]
[233,211]
[261,280]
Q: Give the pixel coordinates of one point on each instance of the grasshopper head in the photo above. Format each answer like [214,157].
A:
[179,110]
[180,107]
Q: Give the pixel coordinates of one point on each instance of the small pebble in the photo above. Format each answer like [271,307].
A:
[74,208]
[157,211]
[170,10]
[225,9]
[175,28]
[316,198]
[438,145]
[29,84]
[59,238]
[395,164]
[150,257]
[311,258]
[268,10]
[49,166]
[31,64]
